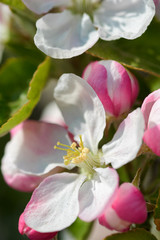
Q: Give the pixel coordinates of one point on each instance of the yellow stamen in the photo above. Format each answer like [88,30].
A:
[75,154]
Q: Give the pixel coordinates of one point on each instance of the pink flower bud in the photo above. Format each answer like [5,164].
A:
[127,206]
[157,5]
[31,233]
[115,86]
[151,111]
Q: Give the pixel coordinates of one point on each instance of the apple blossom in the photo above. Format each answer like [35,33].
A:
[80,23]
[127,206]
[32,234]
[85,193]
[116,87]
[151,111]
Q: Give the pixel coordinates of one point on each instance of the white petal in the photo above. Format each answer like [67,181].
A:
[126,142]
[43,6]
[81,108]
[154,117]
[95,194]
[52,114]
[64,35]
[123,18]
[31,150]
[54,204]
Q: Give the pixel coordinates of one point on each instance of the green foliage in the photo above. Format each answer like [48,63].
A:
[142,53]
[157,213]
[80,229]
[14,3]
[138,234]
[20,87]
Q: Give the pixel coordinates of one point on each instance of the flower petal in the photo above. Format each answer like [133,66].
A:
[113,222]
[126,142]
[54,204]
[69,36]
[31,233]
[81,108]
[123,18]
[95,194]
[52,114]
[129,204]
[148,104]
[30,154]
[154,117]
[152,139]
[41,6]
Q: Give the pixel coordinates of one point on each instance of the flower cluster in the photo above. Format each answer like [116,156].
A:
[79,24]
[94,131]
[38,153]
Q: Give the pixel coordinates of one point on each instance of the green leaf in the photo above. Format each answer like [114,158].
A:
[142,53]
[14,3]
[157,213]
[80,229]
[20,87]
[138,234]
[136,180]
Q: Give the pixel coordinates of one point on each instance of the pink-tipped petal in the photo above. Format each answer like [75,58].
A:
[22,182]
[15,130]
[116,87]
[96,75]
[54,204]
[134,86]
[148,104]
[154,117]
[129,204]
[126,206]
[112,221]
[31,233]
[30,154]
[152,139]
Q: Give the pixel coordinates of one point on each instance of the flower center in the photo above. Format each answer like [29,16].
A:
[85,6]
[81,156]
[75,154]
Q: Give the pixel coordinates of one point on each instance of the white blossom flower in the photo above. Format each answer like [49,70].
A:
[62,197]
[80,23]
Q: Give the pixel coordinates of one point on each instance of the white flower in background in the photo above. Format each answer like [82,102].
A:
[4,26]
[61,198]
[80,23]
